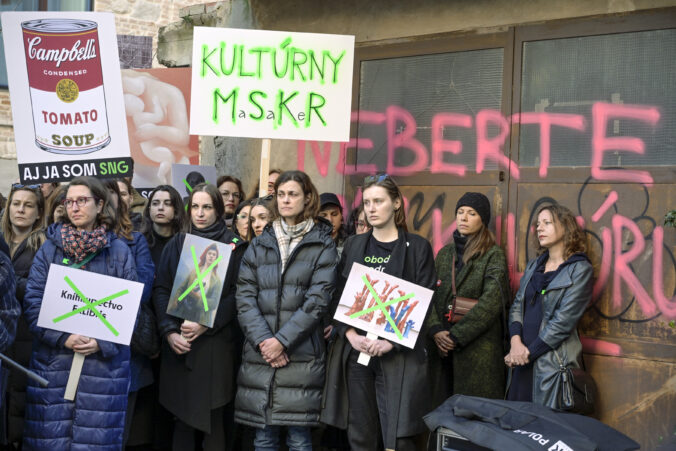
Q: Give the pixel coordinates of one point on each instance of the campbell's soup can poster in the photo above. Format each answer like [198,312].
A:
[66,93]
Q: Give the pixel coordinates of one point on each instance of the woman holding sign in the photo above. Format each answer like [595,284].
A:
[284,289]
[197,373]
[391,391]
[95,418]
[466,351]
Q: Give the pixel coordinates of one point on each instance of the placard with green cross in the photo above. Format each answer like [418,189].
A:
[91,304]
[383,305]
[198,282]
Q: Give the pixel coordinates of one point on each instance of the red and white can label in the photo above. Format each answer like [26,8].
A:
[66,85]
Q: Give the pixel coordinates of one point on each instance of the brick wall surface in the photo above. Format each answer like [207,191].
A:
[132,17]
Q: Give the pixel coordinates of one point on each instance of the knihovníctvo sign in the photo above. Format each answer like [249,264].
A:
[271,84]
[66,92]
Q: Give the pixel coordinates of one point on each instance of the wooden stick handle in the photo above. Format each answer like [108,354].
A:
[265,168]
[364,358]
[74,376]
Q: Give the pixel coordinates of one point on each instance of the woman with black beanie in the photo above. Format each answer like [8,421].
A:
[466,352]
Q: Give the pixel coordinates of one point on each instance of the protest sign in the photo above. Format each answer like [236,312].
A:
[156,103]
[184,177]
[271,84]
[90,304]
[66,95]
[383,305]
[199,280]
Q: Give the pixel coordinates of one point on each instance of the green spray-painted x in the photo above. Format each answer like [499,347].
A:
[382,306]
[90,306]
[200,277]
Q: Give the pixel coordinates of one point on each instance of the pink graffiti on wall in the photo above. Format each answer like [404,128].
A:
[615,266]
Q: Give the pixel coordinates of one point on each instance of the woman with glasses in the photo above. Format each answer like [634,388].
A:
[284,288]
[384,401]
[95,419]
[197,373]
[466,354]
[231,189]
[240,224]
[22,230]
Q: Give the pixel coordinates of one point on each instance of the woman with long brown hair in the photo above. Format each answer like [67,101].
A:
[554,292]
[466,353]
[197,373]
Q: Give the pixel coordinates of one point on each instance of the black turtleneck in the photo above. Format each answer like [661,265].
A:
[460,242]
[156,249]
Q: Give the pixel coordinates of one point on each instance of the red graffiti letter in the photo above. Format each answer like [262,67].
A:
[601,114]
[405,139]
[490,148]
[666,305]
[441,145]
[622,269]
[546,120]
[363,117]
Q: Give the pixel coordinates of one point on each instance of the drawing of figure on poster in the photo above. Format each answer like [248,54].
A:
[382,304]
[197,289]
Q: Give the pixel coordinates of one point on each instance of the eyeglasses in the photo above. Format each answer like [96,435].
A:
[228,194]
[360,224]
[375,178]
[19,186]
[80,201]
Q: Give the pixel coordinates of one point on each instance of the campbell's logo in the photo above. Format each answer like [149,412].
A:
[75,53]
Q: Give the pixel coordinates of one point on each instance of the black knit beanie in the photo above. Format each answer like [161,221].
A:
[478,202]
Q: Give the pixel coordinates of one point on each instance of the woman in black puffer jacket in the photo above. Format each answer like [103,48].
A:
[285,284]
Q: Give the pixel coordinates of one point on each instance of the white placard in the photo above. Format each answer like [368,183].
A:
[109,312]
[406,305]
[66,92]
[271,84]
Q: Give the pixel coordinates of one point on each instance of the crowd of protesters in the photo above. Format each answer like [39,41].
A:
[274,367]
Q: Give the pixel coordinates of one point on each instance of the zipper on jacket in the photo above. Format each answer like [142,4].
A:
[270,390]
[281,277]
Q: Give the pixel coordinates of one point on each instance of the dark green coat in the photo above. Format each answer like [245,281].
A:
[477,366]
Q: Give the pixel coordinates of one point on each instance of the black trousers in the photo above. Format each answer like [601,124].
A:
[367,396]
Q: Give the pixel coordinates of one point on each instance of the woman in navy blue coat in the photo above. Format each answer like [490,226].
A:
[94,420]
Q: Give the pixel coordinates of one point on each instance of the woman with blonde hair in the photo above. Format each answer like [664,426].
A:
[22,230]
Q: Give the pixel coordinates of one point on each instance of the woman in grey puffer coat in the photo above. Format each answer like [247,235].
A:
[285,284]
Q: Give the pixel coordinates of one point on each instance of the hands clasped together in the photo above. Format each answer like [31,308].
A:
[444,342]
[81,344]
[518,353]
[374,348]
[273,352]
[181,343]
